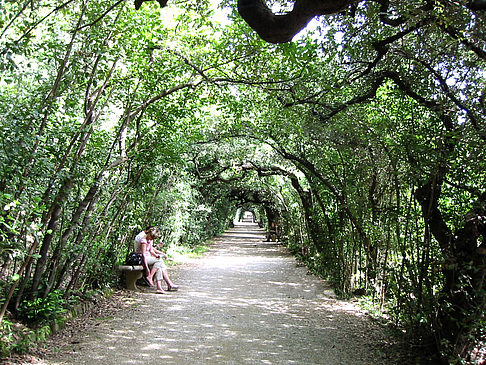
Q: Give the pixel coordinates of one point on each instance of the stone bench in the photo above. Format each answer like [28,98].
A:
[132,274]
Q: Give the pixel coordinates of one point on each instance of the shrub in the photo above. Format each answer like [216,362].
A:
[42,309]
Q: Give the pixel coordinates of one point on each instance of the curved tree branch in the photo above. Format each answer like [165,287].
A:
[276,28]
[463,38]
[280,28]
[102,15]
[34,25]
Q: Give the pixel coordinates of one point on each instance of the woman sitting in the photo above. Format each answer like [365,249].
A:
[153,257]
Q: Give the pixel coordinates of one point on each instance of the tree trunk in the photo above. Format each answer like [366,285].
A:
[464,268]
[89,200]
[315,230]
[49,100]
[55,216]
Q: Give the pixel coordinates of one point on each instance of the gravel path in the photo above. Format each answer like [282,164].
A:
[245,302]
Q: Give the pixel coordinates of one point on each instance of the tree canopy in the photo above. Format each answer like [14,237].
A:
[280,25]
[362,140]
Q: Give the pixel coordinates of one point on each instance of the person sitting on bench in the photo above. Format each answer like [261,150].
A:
[153,257]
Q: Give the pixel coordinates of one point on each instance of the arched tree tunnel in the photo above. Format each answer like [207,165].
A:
[363,139]
[270,189]
[234,184]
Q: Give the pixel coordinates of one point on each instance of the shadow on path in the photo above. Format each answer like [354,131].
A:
[245,302]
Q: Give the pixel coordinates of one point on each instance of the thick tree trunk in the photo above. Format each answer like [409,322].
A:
[276,28]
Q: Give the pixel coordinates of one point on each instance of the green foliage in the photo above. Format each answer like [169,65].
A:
[167,117]
[43,309]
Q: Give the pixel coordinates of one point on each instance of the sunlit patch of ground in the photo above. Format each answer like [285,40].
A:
[245,302]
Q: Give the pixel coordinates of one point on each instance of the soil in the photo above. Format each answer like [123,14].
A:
[246,301]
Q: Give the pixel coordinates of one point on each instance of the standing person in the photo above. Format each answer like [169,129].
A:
[152,257]
[272,232]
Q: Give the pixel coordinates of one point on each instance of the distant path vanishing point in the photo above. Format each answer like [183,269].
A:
[245,302]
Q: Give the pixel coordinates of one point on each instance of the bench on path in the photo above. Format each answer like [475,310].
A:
[132,274]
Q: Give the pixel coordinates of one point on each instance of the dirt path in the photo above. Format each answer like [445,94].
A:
[245,302]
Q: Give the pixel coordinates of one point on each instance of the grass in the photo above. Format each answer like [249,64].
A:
[182,254]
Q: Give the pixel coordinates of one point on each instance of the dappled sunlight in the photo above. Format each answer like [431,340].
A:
[246,298]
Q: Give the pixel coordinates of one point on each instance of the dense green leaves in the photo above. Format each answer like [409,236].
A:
[362,141]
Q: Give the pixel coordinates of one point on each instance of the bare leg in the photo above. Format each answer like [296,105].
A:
[160,290]
[151,275]
[170,284]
